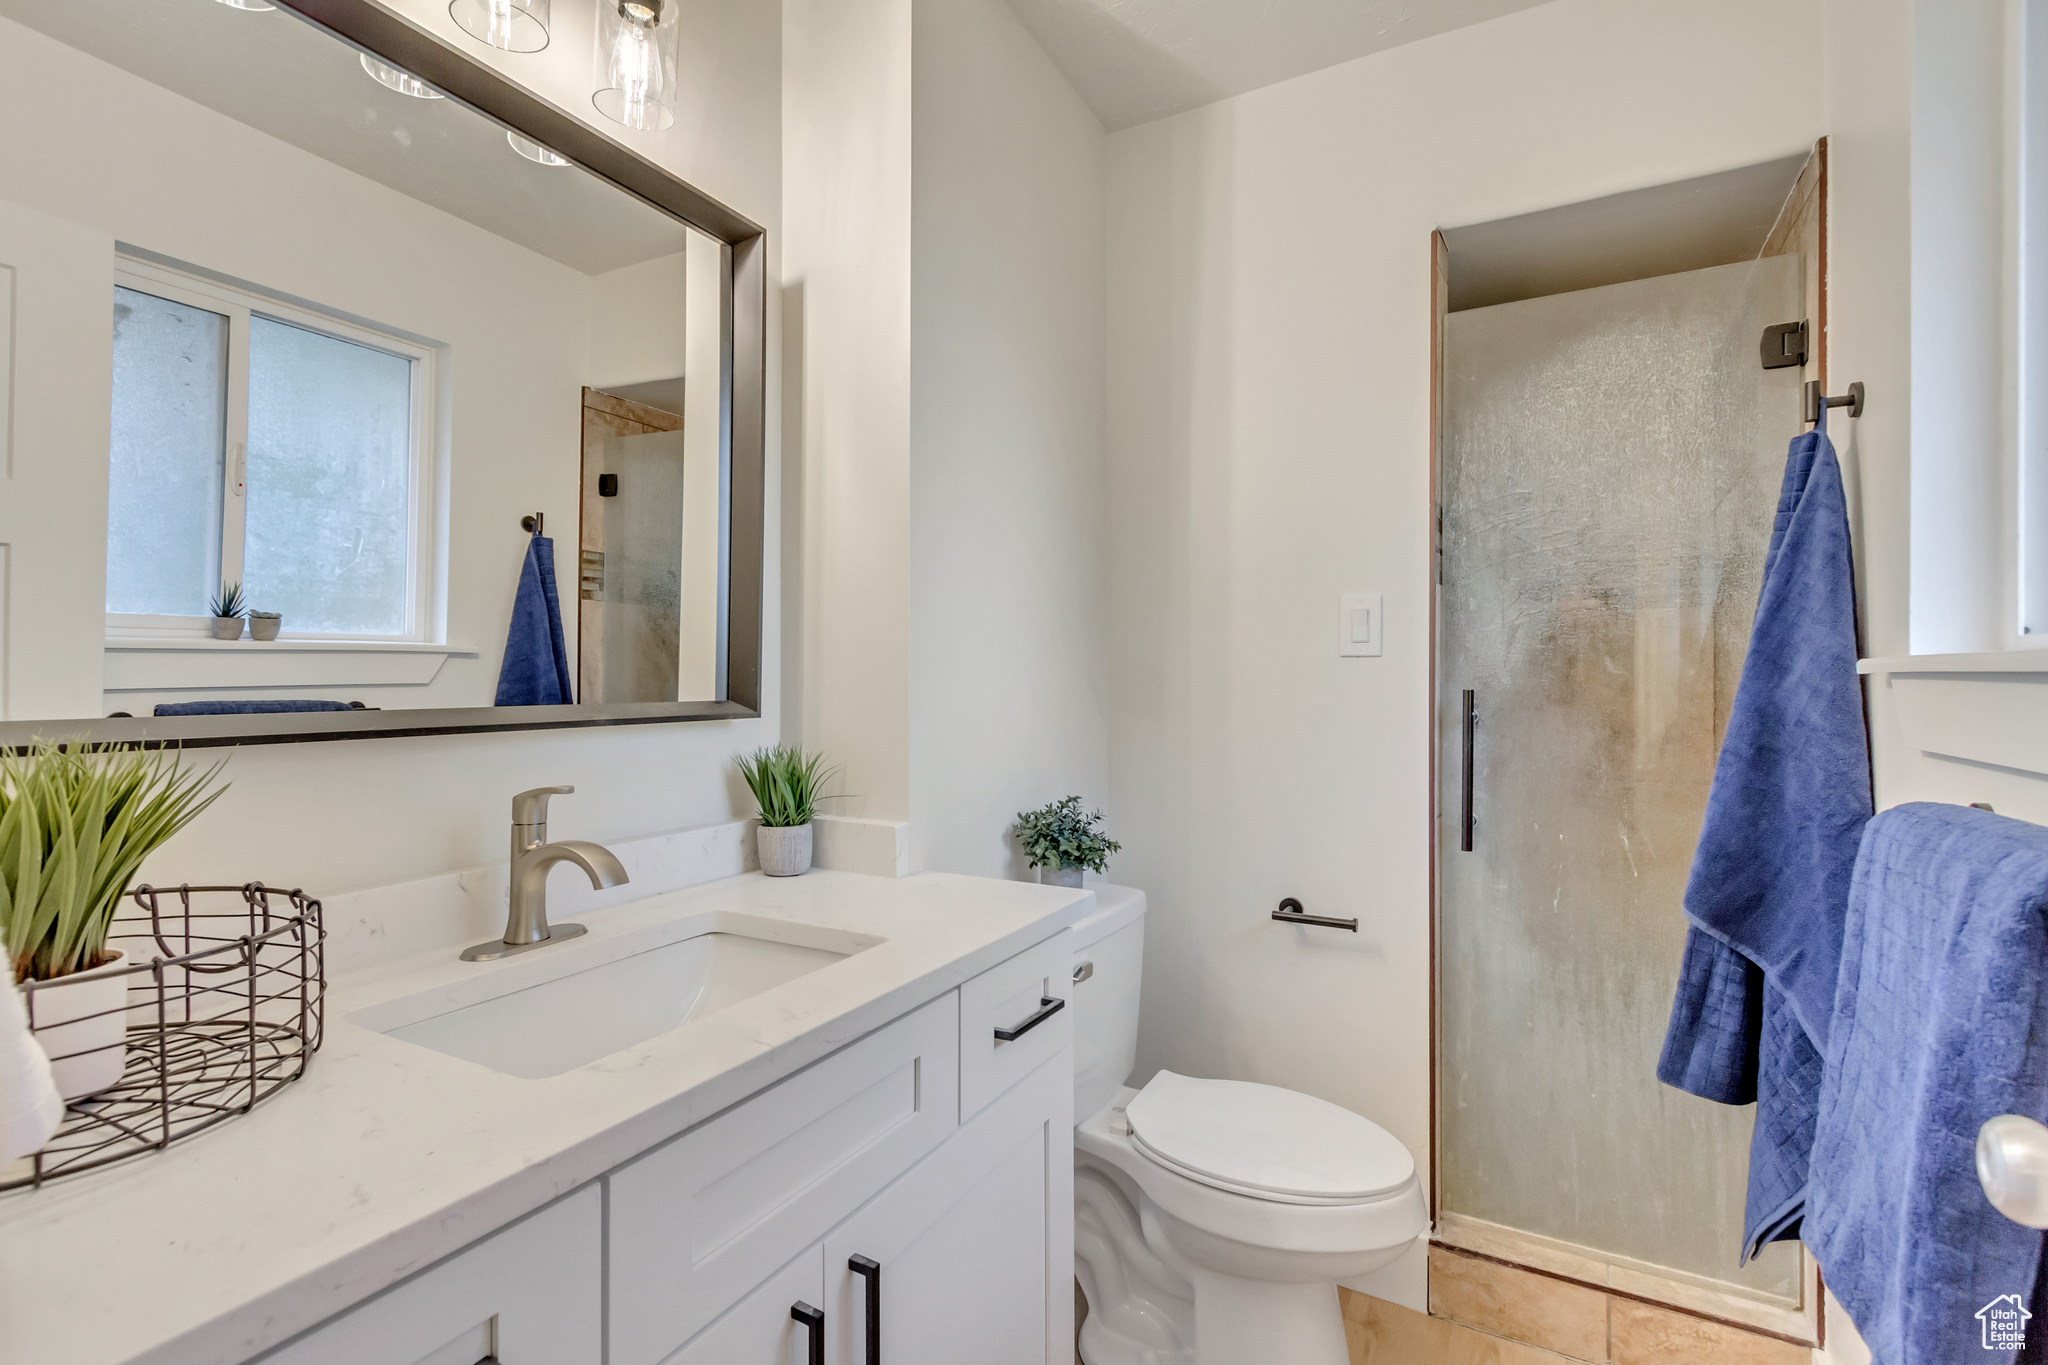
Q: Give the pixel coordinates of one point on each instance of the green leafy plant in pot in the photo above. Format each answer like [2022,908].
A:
[1061,841]
[787,784]
[76,823]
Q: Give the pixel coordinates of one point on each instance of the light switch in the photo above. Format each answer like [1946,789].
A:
[1361,627]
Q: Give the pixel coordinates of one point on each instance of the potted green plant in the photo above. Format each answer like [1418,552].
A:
[264,625]
[227,608]
[76,822]
[1060,841]
[788,785]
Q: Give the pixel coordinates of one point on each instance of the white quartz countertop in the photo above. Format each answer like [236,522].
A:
[386,1157]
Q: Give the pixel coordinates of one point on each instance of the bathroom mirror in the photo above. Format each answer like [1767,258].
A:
[309,302]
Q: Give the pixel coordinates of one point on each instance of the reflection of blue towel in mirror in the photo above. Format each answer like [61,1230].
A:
[536,669]
[249,708]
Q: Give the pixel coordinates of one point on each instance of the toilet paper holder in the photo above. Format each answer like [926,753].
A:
[1290,912]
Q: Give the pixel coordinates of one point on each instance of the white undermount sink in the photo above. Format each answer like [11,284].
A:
[584,1011]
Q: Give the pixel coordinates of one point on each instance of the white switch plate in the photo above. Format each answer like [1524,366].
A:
[1361,629]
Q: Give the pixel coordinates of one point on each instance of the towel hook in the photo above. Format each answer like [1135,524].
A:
[1816,400]
[534,522]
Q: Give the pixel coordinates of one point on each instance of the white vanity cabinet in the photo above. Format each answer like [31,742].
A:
[969,1257]
[697,1251]
[529,1295]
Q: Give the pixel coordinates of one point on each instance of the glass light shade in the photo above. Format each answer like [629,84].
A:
[511,25]
[636,62]
[404,82]
[254,6]
[533,151]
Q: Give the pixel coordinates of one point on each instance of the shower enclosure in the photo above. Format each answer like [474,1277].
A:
[1609,467]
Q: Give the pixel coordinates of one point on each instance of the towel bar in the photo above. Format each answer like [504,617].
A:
[1297,915]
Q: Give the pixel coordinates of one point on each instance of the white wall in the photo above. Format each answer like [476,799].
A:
[846,82]
[944,321]
[1269,304]
[1008,672]
[336,816]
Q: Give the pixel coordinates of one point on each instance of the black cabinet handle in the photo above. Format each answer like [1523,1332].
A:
[1047,1008]
[814,1322]
[1465,811]
[871,1271]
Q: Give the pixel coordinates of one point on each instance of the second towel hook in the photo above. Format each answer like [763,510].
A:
[1816,400]
[536,522]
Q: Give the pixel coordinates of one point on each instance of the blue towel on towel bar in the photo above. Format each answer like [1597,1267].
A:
[1940,1022]
[246,708]
[1770,878]
[536,668]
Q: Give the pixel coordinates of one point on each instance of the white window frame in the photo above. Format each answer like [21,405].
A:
[239,306]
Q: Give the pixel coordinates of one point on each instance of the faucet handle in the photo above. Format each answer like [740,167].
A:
[531,807]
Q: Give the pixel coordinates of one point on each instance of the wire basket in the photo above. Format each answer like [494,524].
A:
[216,1005]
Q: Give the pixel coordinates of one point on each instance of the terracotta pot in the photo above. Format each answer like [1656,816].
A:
[227,627]
[1060,876]
[81,1021]
[785,850]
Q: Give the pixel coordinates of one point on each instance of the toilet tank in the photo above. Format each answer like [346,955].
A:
[1109,952]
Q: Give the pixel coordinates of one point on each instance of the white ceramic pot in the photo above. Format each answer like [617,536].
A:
[1059,876]
[265,627]
[785,850]
[82,1023]
[227,627]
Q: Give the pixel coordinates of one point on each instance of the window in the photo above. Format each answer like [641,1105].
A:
[263,444]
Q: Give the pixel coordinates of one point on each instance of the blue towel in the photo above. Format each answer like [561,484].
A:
[536,668]
[247,708]
[1940,1022]
[1770,878]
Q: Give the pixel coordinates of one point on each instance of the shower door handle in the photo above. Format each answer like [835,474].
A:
[1465,799]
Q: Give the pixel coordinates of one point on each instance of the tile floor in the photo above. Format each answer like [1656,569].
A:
[1485,1313]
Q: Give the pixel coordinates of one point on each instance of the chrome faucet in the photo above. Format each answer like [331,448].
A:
[532,858]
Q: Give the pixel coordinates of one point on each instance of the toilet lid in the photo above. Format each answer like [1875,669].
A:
[1262,1140]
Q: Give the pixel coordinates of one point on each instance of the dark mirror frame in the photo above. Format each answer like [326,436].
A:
[366,26]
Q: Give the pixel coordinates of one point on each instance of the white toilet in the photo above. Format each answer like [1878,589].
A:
[1213,1219]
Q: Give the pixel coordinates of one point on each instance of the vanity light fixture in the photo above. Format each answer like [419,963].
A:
[636,62]
[404,82]
[510,25]
[253,6]
[533,151]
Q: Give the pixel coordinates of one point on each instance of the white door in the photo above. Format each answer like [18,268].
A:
[773,1325]
[56,392]
[969,1257]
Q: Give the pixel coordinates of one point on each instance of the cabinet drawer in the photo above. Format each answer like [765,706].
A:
[1008,997]
[696,1223]
[529,1295]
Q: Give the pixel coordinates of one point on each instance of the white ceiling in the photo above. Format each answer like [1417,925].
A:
[1138,60]
[296,83]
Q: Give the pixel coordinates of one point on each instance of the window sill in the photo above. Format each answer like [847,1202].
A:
[1978,708]
[198,663]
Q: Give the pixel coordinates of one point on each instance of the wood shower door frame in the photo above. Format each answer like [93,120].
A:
[1802,225]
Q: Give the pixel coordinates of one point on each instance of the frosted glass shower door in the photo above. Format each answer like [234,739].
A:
[1610,468]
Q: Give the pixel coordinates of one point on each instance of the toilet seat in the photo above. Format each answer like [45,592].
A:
[1266,1143]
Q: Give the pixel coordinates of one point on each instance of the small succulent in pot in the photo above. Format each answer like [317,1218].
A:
[787,785]
[264,625]
[227,609]
[1061,841]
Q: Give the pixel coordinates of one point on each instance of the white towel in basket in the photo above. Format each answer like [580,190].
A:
[30,1108]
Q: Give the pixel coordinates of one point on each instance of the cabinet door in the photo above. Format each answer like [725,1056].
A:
[971,1253]
[526,1296]
[761,1329]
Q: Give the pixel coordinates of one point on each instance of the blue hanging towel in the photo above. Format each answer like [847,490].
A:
[536,668]
[1770,878]
[1940,1022]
